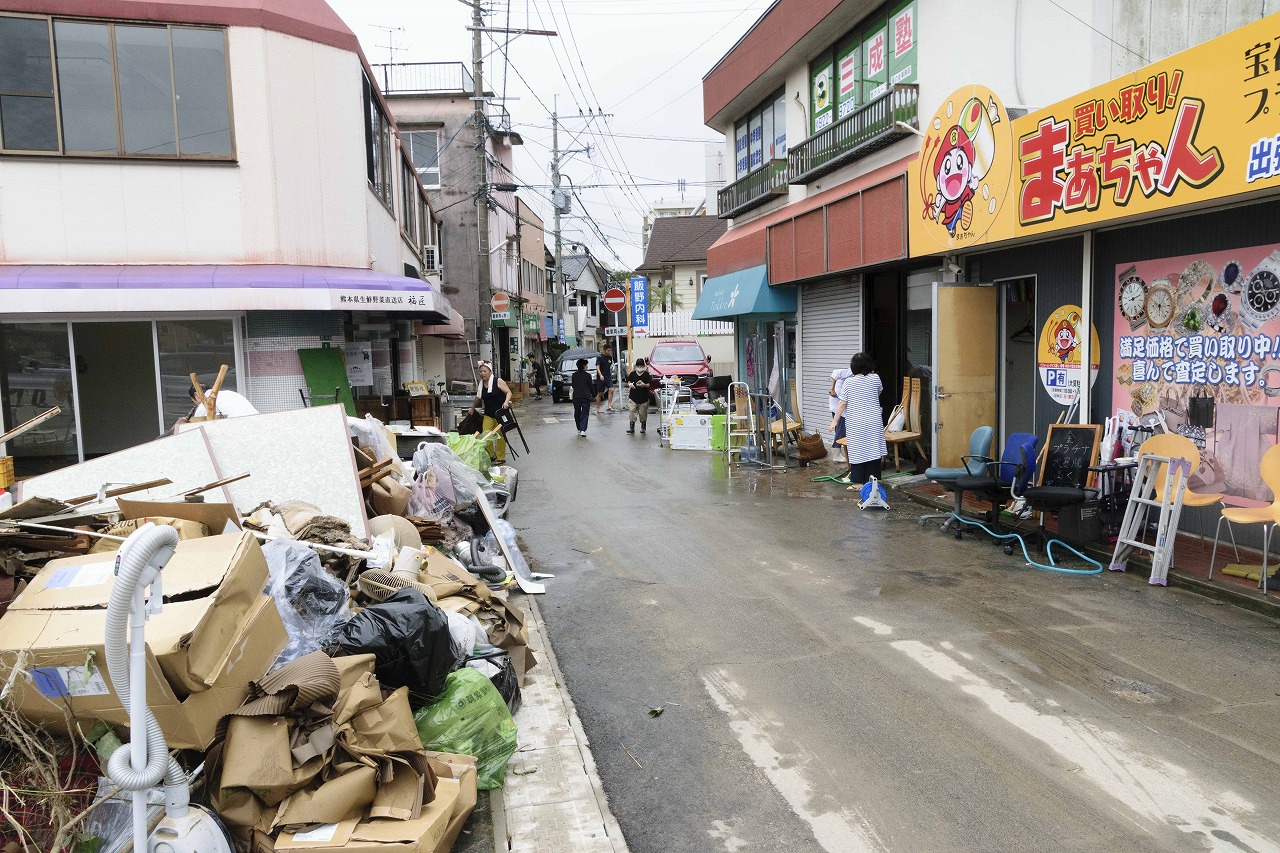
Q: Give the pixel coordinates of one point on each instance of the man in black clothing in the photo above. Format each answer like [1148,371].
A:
[638,396]
[604,382]
[584,391]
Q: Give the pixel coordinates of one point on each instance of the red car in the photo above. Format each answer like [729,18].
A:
[685,359]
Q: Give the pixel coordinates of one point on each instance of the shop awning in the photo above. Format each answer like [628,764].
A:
[137,289]
[744,292]
[454,330]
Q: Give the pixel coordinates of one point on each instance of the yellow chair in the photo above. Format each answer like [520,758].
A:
[911,432]
[1175,446]
[1268,516]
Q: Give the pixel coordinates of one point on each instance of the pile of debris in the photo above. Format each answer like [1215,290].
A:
[329,648]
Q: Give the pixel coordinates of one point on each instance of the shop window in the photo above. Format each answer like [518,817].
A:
[761,135]
[192,346]
[35,376]
[424,146]
[864,63]
[122,89]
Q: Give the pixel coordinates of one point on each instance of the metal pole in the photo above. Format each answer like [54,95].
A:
[1086,322]
[485,287]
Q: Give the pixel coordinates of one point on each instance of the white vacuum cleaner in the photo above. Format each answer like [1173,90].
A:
[144,762]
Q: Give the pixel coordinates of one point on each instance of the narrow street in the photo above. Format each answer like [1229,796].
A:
[847,681]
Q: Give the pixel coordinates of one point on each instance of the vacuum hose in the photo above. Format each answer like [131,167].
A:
[138,564]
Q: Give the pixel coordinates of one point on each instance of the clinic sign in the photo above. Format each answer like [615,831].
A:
[1189,129]
[639,296]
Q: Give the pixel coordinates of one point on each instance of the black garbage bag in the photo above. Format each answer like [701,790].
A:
[471,424]
[506,680]
[409,637]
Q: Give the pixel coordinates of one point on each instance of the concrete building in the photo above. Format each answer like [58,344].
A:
[431,103]
[585,280]
[823,104]
[185,186]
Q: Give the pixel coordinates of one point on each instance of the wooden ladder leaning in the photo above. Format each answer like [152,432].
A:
[1143,499]
[740,423]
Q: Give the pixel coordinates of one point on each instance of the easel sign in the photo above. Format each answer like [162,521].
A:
[1070,451]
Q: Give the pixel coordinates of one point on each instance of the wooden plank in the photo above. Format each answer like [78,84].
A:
[123,490]
[31,424]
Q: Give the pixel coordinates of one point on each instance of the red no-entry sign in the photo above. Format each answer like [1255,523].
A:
[614,299]
[500,302]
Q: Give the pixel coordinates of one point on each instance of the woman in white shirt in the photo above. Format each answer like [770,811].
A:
[863,420]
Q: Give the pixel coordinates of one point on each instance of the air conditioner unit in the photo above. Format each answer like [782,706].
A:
[431,258]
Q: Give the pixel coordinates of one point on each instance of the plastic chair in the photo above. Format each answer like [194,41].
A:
[979,455]
[1001,479]
[1174,446]
[1267,516]
[910,432]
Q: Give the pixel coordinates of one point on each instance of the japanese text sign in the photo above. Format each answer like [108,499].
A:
[640,304]
[1189,129]
[1205,325]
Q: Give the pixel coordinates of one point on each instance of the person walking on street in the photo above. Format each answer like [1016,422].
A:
[604,382]
[584,391]
[536,377]
[495,397]
[638,396]
[837,385]
[863,420]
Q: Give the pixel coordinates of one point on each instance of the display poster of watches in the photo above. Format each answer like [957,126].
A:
[1201,325]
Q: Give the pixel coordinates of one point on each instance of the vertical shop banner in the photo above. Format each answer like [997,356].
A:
[740,149]
[1058,355]
[875,47]
[849,67]
[639,305]
[1205,326]
[902,36]
[823,98]
[1189,129]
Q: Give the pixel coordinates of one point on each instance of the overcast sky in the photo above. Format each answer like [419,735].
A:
[641,60]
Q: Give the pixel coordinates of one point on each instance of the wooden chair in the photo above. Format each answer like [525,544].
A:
[910,432]
[792,426]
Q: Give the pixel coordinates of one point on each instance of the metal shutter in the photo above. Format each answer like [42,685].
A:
[830,335]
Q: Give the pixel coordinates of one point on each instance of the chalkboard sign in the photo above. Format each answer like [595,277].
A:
[1069,451]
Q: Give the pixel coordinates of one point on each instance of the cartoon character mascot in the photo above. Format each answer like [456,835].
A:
[957,179]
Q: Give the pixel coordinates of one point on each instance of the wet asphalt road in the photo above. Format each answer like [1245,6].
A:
[849,681]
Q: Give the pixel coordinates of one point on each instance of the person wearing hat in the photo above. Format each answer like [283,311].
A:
[957,180]
[493,396]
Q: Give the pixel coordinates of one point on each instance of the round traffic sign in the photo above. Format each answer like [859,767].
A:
[615,299]
[500,302]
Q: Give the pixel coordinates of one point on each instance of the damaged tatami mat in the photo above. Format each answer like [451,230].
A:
[553,800]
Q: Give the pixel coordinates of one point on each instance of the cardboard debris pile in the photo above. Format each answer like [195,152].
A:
[266,663]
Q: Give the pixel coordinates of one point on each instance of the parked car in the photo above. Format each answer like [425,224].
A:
[560,388]
[684,359]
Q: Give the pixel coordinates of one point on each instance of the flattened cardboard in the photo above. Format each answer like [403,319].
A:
[214,516]
[257,756]
[341,798]
[62,649]
[463,768]
[423,835]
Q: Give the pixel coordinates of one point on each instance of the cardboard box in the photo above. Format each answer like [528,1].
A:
[215,516]
[227,573]
[423,835]
[62,649]
[463,768]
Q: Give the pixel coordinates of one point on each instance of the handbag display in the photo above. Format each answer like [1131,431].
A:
[897,420]
[1200,411]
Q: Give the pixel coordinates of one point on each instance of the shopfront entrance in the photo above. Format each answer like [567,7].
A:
[119,383]
[965,324]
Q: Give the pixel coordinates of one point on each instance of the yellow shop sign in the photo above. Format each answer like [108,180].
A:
[1192,128]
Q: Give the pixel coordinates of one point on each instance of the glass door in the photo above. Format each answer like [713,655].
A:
[35,376]
[117,385]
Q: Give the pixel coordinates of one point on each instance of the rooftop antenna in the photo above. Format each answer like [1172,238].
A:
[391,46]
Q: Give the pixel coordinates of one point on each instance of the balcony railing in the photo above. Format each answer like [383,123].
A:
[414,78]
[753,189]
[874,126]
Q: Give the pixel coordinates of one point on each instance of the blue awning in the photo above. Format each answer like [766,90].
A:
[744,292]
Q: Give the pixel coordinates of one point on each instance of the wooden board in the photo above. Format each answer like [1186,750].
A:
[1070,449]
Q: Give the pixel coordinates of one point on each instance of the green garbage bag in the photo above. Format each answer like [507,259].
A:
[471,718]
[470,450]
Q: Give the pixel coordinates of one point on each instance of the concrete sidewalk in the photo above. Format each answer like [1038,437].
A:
[553,800]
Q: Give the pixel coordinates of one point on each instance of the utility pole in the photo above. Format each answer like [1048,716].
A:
[559,297]
[484,316]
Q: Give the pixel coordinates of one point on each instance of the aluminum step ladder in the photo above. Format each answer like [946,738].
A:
[1143,499]
[741,431]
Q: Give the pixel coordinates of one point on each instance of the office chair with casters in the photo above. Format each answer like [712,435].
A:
[998,482]
[979,455]
[1054,491]
[1268,516]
